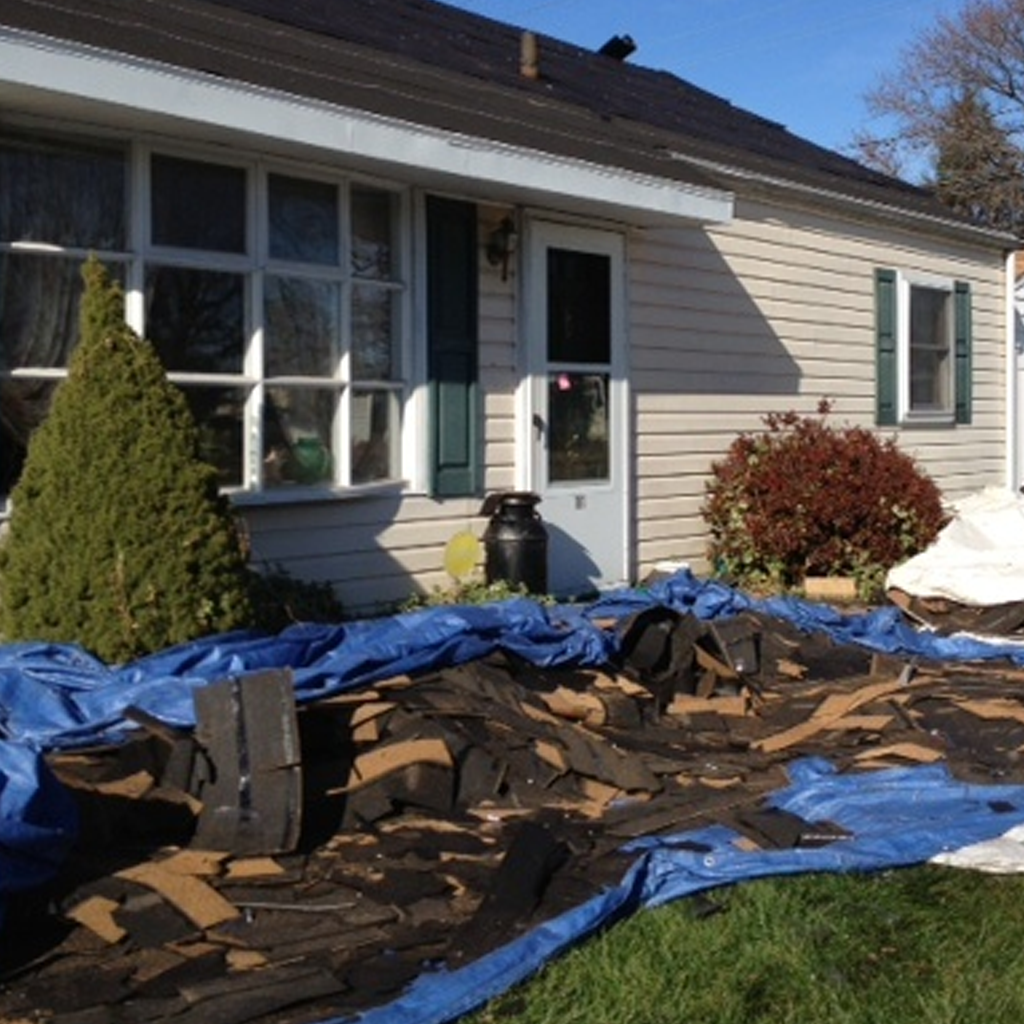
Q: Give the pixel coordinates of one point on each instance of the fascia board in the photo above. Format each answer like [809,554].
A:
[60,68]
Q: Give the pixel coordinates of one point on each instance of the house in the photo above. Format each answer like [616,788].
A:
[400,257]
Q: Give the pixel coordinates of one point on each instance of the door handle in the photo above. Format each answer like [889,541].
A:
[539,426]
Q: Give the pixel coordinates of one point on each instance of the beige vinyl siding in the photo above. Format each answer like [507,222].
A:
[774,312]
[378,550]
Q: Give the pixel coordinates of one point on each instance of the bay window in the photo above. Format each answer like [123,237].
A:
[276,299]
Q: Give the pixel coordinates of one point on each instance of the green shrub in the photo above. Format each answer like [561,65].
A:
[118,537]
[471,591]
[280,599]
[805,498]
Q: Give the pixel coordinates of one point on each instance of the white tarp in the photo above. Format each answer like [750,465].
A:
[977,559]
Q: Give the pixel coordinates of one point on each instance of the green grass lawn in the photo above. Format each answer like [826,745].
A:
[923,945]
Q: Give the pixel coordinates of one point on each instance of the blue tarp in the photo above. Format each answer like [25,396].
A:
[55,697]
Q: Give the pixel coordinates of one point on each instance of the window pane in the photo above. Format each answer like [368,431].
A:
[373,220]
[579,307]
[298,428]
[301,327]
[374,436]
[374,332]
[303,220]
[23,405]
[930,344]
[218,415]
[578,414]
[62,192]
[198,205]
[196,319]
[39,297]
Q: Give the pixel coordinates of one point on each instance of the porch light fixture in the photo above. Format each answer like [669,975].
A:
[501,244]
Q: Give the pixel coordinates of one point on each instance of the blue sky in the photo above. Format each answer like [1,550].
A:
[804,63]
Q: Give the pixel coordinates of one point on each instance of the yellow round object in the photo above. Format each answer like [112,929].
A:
[461,554]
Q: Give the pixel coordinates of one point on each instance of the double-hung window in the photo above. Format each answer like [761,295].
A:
[275,297]
[923,348]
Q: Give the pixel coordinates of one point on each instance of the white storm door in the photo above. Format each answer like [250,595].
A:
[577,396]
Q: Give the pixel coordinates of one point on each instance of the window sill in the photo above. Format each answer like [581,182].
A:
[928,419]
[300,495]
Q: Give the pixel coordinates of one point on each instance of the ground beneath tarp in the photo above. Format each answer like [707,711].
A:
[445,814]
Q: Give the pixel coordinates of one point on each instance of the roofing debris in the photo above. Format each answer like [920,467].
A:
[284,863]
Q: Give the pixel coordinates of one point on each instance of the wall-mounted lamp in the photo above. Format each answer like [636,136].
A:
[501,244]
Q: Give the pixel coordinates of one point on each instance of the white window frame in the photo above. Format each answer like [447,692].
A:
[255,264]
[905,282]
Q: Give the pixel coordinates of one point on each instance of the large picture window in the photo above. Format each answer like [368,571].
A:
[276,300]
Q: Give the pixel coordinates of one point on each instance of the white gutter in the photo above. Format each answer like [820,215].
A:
[62,69]
[982,235]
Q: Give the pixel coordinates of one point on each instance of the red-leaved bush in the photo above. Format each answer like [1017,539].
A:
[804,498]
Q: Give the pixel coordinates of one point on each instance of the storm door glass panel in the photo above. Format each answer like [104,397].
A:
[303,220]
[198,205]
[63,193]
[196,319]
[578,415]
[298,436]
[218,415]
[374,332]
[374,432]
[373,230]
[931,341]
[301,327]
[579,307]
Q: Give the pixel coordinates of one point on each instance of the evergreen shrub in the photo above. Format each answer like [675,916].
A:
[805,498]
[119,539]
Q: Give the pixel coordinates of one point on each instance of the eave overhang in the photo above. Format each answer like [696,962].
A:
[47,76]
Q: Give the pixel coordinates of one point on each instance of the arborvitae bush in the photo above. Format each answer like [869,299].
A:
[119,539]
[804,498]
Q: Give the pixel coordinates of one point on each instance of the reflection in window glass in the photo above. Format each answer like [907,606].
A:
[218,415]
[374,329]
[196,318]
[39,309]
[578,416]
[62,193]
[298,431]
[23,406]
[372,233]
[303,220]
[198,205]
[931,340]
[579,307]
[374,436]
[301,327]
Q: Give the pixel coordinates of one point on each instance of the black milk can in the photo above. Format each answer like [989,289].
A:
[515,541]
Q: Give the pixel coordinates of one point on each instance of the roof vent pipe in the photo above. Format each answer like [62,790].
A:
[618,47]
[529,62]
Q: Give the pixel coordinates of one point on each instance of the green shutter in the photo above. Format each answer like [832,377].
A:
[452,345]
[885,348]
[962,342]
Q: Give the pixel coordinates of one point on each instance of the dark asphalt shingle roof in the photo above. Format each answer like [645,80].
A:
[439,66]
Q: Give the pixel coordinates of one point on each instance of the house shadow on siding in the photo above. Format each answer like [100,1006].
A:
[697,328]
[358,545]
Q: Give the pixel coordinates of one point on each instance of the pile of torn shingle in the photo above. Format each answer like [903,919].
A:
[281,864]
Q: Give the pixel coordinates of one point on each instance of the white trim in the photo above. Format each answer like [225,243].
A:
[60,68]
[904,283]
[978,235]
